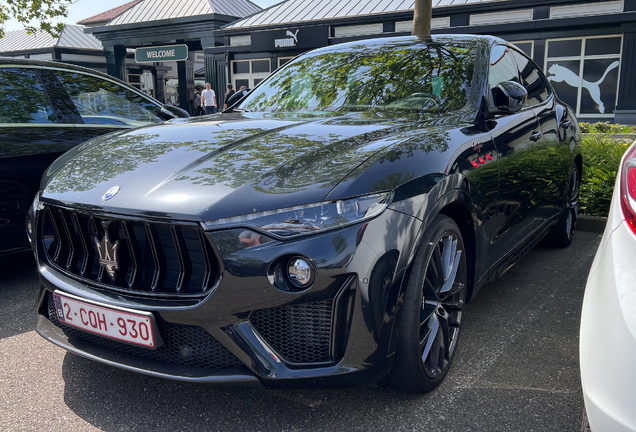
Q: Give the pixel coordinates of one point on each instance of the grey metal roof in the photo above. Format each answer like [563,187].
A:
[71,37]
[154,10]
[291,11]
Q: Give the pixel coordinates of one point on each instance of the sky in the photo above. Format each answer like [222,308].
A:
[87,8]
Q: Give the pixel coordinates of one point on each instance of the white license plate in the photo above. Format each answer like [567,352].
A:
[123,326]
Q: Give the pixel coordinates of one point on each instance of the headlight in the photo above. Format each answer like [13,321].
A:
[296,221]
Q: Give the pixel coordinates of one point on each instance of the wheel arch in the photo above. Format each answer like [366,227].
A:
[456,204]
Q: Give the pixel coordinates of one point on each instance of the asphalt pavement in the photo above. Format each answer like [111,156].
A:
[516,369]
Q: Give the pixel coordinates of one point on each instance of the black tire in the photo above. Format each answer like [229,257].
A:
[432,311]
[562,233]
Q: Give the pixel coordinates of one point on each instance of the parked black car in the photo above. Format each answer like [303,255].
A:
[46,109]
[327,232]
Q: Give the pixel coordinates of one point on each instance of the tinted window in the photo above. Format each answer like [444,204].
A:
[525,47]
[603,46]
[241,67]
[532,79]
[397,75]
[242,82]
[106,103]
[502,67]
[23,97]
[260,66]
[567,48]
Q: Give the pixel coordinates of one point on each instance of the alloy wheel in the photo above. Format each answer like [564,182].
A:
[444,295]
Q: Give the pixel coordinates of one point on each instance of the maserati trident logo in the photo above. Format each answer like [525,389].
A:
[108,252]
[111,193]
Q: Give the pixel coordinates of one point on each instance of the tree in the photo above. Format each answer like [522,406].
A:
[35,15]
[422,15]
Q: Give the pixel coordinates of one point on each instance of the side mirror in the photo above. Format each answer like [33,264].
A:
[169,112]
[508,97]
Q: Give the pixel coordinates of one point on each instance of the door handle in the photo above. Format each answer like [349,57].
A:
[566,124]
[536,136]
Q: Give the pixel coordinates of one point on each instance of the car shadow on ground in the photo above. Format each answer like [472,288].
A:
[500,379]
[18,293]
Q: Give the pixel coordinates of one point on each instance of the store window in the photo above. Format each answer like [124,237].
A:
[283,60]
[135,80]
[526,47]
[250,73]
[584,73]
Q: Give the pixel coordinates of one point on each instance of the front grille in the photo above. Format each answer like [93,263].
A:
[140,257]
[204,351]
[301,334]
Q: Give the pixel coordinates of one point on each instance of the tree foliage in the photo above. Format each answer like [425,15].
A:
[35,15]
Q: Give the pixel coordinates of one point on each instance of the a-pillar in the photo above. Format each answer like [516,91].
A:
[185,73]
[116,61]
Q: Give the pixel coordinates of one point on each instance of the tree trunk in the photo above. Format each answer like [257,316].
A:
[423,13]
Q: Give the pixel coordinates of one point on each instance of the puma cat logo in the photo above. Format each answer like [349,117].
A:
[294,35]
[563,74]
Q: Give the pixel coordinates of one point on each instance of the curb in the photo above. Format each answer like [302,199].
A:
[591,223]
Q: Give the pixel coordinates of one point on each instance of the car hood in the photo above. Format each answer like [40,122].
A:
[224,165]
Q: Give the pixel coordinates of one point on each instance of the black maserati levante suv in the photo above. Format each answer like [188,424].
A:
[328,230]
[46,109]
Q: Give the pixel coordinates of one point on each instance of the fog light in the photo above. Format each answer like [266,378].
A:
[300,272]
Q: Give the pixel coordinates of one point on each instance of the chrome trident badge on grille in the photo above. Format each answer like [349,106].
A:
[108,252]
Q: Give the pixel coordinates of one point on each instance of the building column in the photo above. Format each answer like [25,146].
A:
[116,61]
[160,85]
[185,73]
[208,65]
[625,111]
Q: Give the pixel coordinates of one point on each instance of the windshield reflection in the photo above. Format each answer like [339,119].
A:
[398,75]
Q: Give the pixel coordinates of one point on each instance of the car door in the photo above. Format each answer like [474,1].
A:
[553,149]
[106,106]
[34,131]
[515,136]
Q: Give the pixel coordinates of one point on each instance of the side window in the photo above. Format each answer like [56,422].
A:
[23,97]
[103,102]
[502,68]
[532,79]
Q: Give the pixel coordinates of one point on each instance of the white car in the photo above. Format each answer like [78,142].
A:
[608,320]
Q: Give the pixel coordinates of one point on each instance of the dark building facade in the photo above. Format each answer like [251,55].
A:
[586,48]
[150,23]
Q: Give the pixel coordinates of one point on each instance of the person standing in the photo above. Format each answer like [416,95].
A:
[228,95]
[208,100]
[197,104]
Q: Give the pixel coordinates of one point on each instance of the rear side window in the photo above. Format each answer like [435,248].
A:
[102,102]
[22,97]
[532,79]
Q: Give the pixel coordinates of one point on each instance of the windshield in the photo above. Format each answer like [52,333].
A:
[425,76]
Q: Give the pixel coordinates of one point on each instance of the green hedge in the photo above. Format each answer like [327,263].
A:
[606,127]
[601,158]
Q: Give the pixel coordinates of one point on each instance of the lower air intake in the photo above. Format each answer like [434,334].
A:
[300,334]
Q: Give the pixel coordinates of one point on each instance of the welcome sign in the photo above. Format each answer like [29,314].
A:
[161,53]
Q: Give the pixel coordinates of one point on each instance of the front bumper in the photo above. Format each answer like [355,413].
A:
[361,312]
[608,332]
